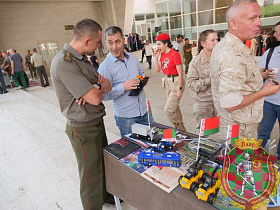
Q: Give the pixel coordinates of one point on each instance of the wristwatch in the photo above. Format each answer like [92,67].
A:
[180,88]
[99,85]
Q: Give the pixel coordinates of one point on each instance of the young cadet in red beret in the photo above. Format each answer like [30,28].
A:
[169,61]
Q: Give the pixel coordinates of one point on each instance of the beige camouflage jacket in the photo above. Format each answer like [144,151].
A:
[235,73]
[198,78]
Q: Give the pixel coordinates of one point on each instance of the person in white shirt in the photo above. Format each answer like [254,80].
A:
[38,62]
[175,45]
[149,53]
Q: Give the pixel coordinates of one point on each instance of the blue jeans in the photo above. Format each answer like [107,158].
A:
[270,113]
[125,124]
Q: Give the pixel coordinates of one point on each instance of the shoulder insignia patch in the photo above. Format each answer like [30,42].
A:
[68,56]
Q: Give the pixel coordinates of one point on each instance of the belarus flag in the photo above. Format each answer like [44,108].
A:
[233,133]
[209,126]
[169,134]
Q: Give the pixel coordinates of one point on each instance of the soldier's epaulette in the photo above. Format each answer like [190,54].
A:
[68,56]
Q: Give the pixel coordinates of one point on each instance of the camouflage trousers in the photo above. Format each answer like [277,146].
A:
[187,62]
[172,108]
[32,71]
[246,130]
[202,110]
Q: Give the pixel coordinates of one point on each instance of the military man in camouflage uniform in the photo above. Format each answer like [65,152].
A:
[29,65]
[187,54]
[237,85]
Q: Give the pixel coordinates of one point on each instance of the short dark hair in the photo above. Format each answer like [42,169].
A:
[277,24]
[34,50]
[111,31]
[180,36]
[186,39]
[86,27]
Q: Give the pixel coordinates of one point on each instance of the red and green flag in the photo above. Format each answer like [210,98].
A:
[233,133]
[149,108]
[209,126]
[169,133]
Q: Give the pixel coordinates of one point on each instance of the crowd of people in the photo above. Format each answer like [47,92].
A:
[13,65]
[262,43]
[223,78]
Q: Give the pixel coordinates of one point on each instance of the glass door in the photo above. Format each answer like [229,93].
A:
[48,50]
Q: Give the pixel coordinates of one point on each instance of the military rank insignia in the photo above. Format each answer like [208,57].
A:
[249,178]
[68,56]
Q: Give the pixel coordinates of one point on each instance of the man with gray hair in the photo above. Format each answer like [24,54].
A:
[75,79]
[17,66]
[237,85]
[121,69]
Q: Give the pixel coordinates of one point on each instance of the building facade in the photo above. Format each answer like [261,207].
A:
[191,17]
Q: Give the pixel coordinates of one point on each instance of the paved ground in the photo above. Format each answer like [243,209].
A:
[38,168]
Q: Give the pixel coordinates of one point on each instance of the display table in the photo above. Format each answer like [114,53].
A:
[138,192]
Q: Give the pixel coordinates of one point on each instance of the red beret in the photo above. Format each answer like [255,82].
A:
[162,36]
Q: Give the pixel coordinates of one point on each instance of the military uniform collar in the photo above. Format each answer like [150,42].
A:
[240,46]
[74,52]
[126,56]
[204,58]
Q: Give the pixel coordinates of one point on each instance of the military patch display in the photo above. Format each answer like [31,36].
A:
[249,177]
[68,56]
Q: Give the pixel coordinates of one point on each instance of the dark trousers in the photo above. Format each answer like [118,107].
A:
[149,59]
[259,50]
[271,112]
[3,85]
[143,53]
[88,143]
[42,72]
[132,47]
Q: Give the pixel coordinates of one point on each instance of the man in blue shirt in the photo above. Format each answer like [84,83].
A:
[271,107]
[17,65]
[121,69]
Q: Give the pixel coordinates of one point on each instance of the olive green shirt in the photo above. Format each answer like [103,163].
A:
[72,76]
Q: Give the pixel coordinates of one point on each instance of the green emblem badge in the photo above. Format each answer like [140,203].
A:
[249,178]
[68,56]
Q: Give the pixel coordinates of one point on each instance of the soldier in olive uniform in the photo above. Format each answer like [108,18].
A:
[237,85]
[75,80]
[29,65]
[187,54]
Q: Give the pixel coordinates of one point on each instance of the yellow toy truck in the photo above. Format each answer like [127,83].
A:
[190,179]
[208,189]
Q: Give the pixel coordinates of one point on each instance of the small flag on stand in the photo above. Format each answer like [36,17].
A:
[149,109]
[210,126]
[169,133]
[233,133]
